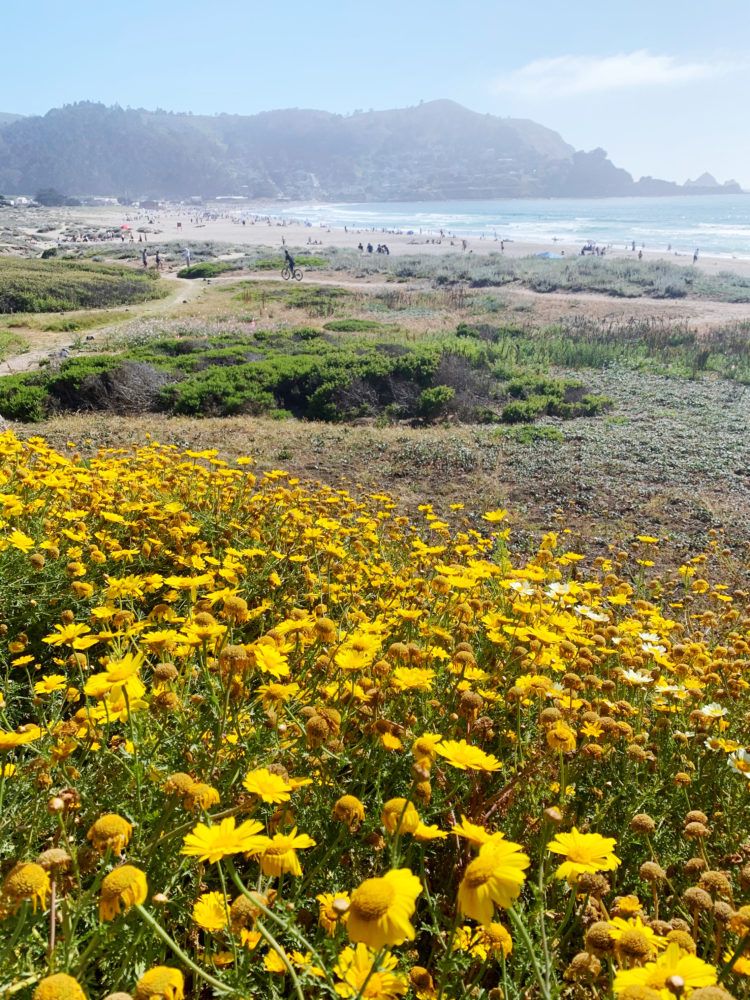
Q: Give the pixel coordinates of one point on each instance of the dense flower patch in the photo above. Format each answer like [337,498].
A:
[259,739]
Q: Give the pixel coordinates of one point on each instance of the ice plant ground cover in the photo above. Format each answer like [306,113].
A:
[263,739]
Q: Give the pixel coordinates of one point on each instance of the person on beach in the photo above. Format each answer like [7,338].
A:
[158,261]
[289,260]
[144,258]
[186,255]
[695,256]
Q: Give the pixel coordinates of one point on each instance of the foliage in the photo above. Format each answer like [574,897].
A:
[300,260]
[22,400]
[49,197]
[84,321]
[357,326]
[620,277]
[664,347]
[208,269]
[61,285]
[312,374]
[11,342]
[434,402]
[526,434]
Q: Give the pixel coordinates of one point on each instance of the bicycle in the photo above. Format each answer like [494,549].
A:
[287,273]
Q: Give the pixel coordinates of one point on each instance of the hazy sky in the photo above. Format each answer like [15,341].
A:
[662,85]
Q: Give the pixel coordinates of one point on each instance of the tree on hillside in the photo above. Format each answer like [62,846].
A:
[50,198]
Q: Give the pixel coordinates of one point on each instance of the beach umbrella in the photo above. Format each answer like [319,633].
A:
[124,227]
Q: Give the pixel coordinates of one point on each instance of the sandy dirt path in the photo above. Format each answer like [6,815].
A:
[54,343]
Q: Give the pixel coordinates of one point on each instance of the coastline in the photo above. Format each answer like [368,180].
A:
[264,225]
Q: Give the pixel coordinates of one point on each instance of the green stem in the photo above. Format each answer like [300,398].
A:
[520,928]
[543,918]
[446,958]
[271,940]
[160,932]
[136,758]
[563,780]
[90,947]
[282,923]
[373,969]
[226,913]
[728,966]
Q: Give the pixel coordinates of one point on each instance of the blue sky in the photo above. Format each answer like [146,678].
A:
[661,85]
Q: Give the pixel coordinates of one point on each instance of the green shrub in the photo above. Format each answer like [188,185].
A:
[302,371]
[525,411]
[591,405]
[433,403]
[208,269]
[300,260]
[88,321]
[62,285]
[21,401]
[356,326]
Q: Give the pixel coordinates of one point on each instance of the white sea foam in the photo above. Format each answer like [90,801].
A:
[717,224]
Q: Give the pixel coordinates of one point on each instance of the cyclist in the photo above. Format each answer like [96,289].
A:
[289,261]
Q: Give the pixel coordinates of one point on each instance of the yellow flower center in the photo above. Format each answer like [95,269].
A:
[161,982]
[280,847]
[59,987]
[372,899]
[110,827]
[479,872]
[25,881]
[126,884]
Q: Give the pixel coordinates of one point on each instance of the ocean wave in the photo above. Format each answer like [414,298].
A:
[716,224]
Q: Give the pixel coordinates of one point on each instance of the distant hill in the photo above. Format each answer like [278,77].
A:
[437,150]
[6,118]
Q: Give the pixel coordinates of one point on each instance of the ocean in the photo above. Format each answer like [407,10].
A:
[717,225]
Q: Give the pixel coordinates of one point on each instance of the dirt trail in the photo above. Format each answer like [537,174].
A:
[598,305]
[55,344]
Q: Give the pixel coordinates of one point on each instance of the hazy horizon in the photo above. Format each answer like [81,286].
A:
[657,87]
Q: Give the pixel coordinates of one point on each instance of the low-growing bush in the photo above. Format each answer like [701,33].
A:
[300,260]
[310,373]
[62,285]
[208,269]
[357,326]
[434,402]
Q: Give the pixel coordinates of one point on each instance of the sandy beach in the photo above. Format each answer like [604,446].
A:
[222,223]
